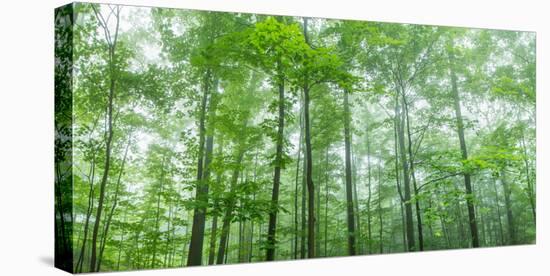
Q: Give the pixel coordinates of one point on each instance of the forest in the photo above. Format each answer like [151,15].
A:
[187,137]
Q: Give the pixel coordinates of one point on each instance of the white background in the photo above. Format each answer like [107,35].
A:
[26,135]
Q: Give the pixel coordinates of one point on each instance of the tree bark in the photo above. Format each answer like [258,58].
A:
[508,204]
[380,221]
[326,201]
[213,235]
[369,196]
[109,131]
[228,212]
[309,167]
[406,179]
[530,193]
[157,217]
[80,261]
[413,177]
[303,249]
[201,197]
[115,202]
[272,227]
[460,129]
[296,233]
[349,188]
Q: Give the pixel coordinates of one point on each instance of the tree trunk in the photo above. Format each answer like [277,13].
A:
[120,245]
[397,174]
[508,204]
[157,218]
[303,249]
[115,202]
[380,221]
[109,136]
[251,239]
[201,197]
[271,230]
[168,238]
[349,188]
[358,238]
[213,234]
[296,233]
[530,193]
[464,151]
[80,261]
[369,196]
[318,215]
[228,212]
[309,167]
[326,201]
[214,227]
[411,162]
[501,231]
[406,179]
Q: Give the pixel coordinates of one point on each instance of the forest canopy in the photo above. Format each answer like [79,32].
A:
[188,137]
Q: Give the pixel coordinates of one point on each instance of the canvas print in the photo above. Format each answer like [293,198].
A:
[189,138]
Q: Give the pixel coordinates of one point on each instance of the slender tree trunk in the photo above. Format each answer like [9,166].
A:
[213,235]
[226,253]
[464,151]
[406,180]
[251,240]
[199,216]
[369,197]
[303,249]
[501,231]
[404,228]
[462,237]
[229,210]
[80,260]
[115,202]
[380,221]
[157,217]
[482,219]
[108,134]
[397,174]
[413,177]
[318,215]
[185,235]
[214,227]
[296,233]
[120,243]
[309,167]
[168,238]
[240,239]
[359,239]
[271,230]
[349,188]
[326,200]
[508,204]
[530,193]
